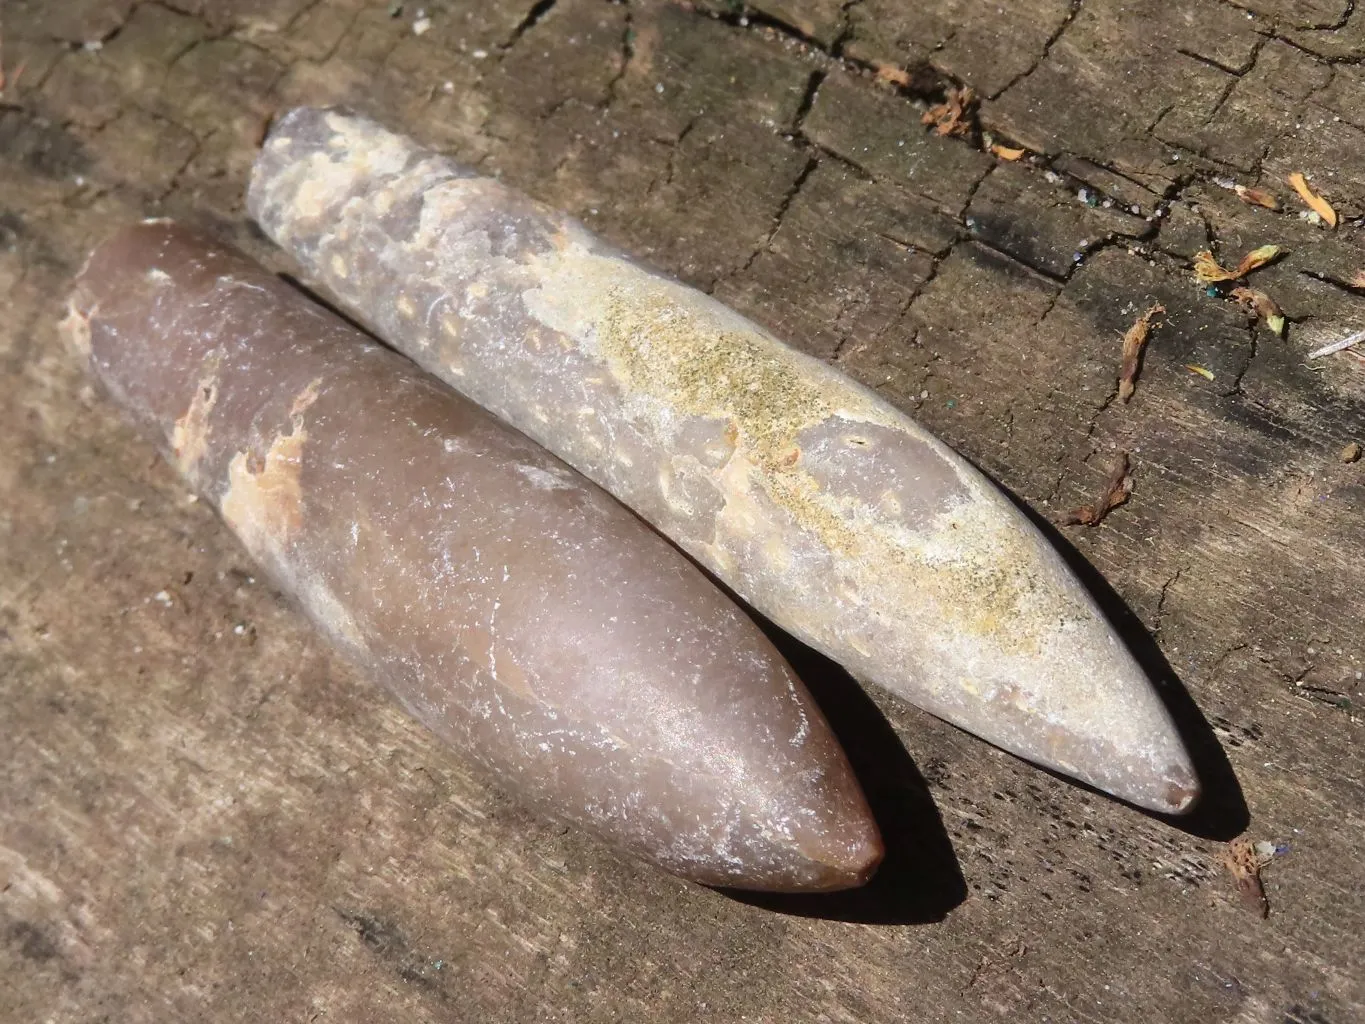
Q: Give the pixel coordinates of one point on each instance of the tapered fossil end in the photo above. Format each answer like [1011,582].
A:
[803,839]
[1033,665]
[1121,740]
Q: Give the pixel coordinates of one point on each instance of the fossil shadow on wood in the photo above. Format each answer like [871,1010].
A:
[1221,812]
[920,881]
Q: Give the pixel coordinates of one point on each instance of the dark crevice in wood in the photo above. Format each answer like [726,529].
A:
[533,17]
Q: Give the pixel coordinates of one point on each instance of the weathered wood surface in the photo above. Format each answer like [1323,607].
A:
[204,815]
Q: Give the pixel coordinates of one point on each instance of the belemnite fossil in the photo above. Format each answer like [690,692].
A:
[817,501]
[510,605]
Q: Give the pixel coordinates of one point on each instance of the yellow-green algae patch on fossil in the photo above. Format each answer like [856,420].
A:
[828,509]
[675,352]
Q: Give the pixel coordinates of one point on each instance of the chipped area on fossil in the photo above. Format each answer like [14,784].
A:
[324,180]
[74,328]
[190,436]
[265,508]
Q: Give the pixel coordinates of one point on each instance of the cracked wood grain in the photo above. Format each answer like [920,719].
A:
[169,776]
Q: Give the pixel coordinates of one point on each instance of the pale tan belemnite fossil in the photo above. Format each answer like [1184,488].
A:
[818,502]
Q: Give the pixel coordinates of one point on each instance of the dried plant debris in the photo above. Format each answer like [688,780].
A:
[1008,152]
[1315,202]
[1352,452]
[1246,860]
[1359,280]
[1133,344]
[1341,345]
[1207,270]
[11,81]
[890,74]
[954,115]
[1262,305]
[1256,197]
[8,81]
[1117,490]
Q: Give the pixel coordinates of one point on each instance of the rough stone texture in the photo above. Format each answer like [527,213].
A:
[236,827]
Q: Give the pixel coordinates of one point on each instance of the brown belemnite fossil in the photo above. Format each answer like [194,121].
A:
[511,605]
[819,503]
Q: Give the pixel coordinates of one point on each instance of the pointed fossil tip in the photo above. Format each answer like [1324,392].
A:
[1174,791]
[1182,790]
[839,848]
[1173,787]
[849,867]
[844,854]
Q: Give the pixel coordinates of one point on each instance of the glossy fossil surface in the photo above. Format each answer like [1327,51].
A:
[510,604]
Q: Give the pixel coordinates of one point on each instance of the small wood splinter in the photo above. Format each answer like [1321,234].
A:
[1245,860]
[1117,490]
[1134,342]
